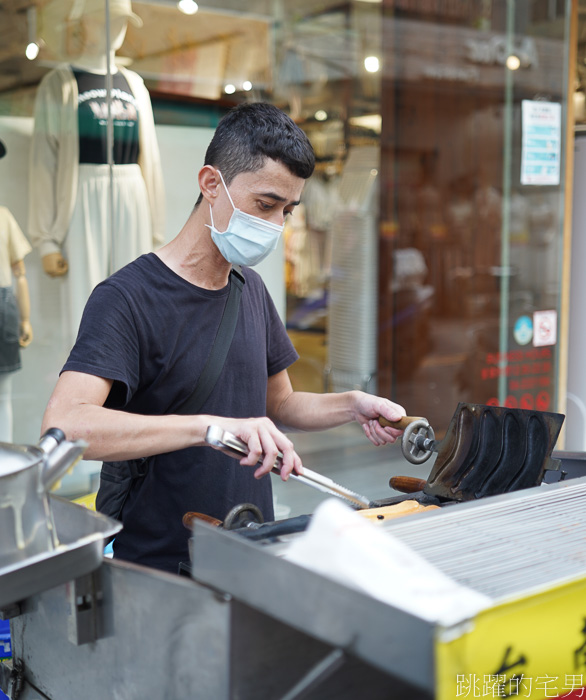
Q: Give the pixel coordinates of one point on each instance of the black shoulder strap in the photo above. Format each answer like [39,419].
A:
[215,362]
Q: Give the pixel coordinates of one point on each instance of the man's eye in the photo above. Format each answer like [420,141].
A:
[265,206]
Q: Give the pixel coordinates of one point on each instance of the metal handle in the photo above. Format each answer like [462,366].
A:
[231,445]
[228,443]
[50,439]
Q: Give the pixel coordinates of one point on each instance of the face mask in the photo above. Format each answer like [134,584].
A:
[248,239]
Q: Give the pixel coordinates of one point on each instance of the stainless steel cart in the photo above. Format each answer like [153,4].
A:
[250,624]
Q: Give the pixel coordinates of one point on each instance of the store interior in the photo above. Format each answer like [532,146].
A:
[384,280]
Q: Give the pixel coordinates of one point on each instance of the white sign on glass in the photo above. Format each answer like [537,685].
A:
[540,156]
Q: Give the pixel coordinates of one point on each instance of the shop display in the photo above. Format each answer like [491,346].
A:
[431,93]
[74,181]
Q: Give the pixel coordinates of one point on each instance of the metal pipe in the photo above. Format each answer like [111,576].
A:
[110,134]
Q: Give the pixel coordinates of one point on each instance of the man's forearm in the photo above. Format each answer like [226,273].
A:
[115,435]
[305,411]
[308,411]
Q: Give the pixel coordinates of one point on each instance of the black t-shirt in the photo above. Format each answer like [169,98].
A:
[92,118]
[151,331]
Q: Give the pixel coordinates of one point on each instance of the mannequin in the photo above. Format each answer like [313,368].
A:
[69,214]
[15,327]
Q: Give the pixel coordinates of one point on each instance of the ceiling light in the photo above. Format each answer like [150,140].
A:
[229,89]
[372,64]
[32,51]
[188,7]
[321,115]
[247,85]
[368,121]
[513,62]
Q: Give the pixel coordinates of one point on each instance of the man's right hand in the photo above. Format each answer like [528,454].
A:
[55,265]
[264,441]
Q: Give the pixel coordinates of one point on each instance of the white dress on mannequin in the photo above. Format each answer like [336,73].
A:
[69,212]
[69,200]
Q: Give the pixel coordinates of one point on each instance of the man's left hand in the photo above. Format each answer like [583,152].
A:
[367,410]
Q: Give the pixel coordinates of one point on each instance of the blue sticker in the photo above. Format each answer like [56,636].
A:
[523,332]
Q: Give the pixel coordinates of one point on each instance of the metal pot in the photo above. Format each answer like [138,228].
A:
[26,476]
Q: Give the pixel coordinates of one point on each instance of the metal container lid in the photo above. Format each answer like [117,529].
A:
[15,458]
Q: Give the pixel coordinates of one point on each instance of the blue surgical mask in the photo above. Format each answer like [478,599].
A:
[248,239]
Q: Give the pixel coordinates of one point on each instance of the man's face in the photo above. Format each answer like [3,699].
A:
[270,193]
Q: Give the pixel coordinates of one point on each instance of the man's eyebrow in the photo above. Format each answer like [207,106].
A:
[278,197]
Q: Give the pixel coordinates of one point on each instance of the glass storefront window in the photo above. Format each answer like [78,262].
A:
[425,260]
[472,203]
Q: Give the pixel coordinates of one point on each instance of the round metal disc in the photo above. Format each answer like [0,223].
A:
[415,433]
[242,514]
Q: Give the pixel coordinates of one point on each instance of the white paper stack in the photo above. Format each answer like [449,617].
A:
[343,546]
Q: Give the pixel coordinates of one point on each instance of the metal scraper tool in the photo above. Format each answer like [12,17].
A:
[228,443]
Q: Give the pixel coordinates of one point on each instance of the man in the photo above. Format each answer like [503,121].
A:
[147,331]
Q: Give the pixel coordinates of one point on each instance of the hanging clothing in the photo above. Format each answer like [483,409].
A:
[54,163]
[70,183]
[94,247]
[92,119]
[13,246]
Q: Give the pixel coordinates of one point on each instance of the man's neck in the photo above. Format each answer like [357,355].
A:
[193,256]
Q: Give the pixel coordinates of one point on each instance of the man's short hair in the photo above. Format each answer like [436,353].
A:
[252,132]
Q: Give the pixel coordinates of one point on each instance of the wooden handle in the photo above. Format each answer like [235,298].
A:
[399,424]
[188,519]
[407,484]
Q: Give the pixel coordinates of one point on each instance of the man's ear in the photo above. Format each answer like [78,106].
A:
[209,183]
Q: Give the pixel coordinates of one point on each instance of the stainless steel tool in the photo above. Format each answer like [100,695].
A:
[26,476]
[228,443]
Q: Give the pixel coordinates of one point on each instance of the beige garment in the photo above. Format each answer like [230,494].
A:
[54,159]
[13,246]
[98,249]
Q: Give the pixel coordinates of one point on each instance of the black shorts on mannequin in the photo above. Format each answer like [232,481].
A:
[9,329]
